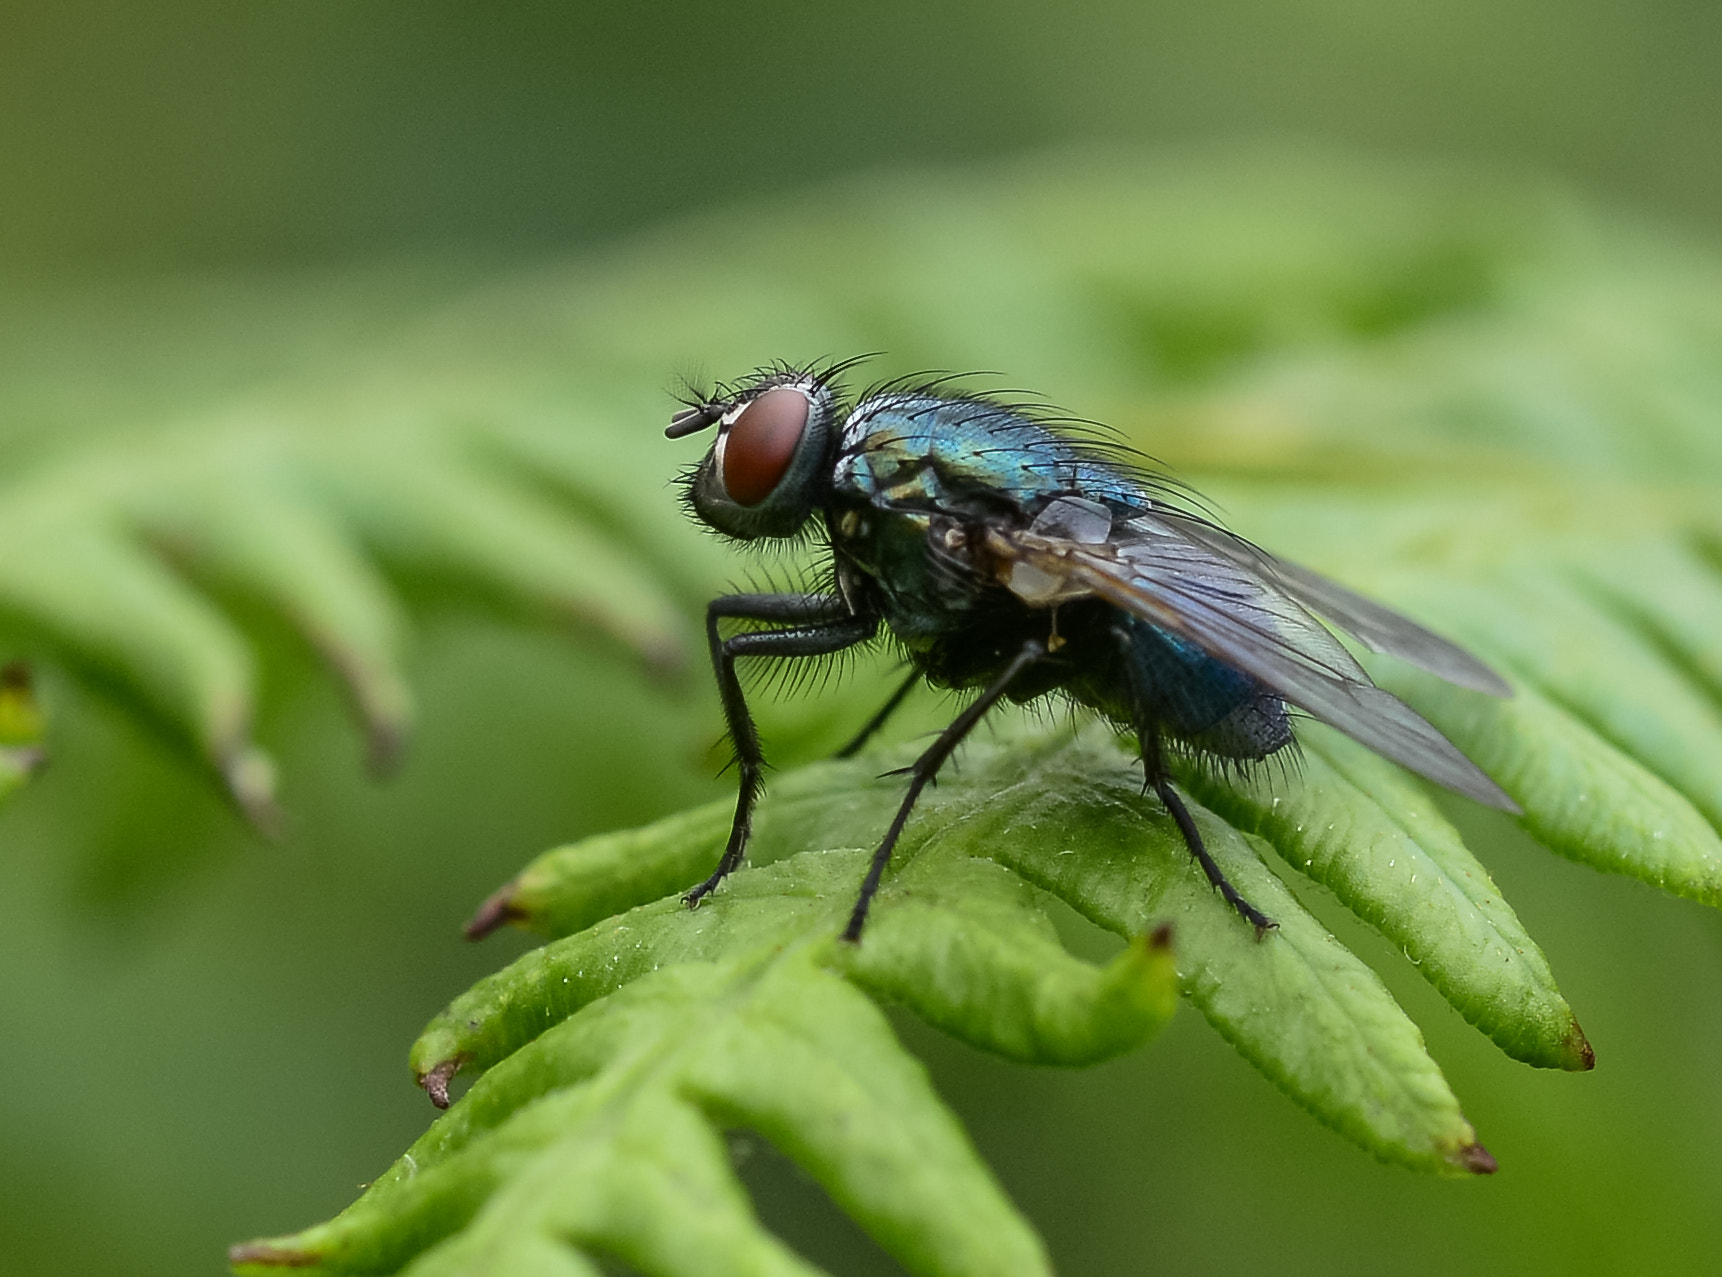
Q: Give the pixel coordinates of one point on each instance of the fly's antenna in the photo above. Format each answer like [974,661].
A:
[701,408]
[693,419]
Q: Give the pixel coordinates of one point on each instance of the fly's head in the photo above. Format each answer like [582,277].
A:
[769,467]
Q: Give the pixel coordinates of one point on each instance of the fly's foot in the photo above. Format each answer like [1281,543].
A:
[699,893]
[1216,877]
[1248,912]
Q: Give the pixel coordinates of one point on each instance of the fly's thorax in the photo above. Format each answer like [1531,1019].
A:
[923,571]
[852,529]
[769,468]
[894,472]
[897,449]
[934,447]
[882,542]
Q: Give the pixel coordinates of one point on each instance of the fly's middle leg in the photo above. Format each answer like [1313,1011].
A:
[926,767]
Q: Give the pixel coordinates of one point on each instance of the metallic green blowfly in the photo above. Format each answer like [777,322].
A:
[1008,558]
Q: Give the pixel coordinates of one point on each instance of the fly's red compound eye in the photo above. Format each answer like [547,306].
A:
[761,444]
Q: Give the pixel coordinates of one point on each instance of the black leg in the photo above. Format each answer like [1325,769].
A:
[878,720]
[1153,763]
[925,768]
[1159,780]
[822,623]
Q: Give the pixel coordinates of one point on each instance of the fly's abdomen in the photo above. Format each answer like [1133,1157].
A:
[1200,699]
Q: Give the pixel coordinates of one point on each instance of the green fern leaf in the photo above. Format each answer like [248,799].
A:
[1484,404]
[130,555]
[616,1057]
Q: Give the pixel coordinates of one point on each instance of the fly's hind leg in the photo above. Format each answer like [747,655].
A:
[879,720]
[1154,768]
[1157,778]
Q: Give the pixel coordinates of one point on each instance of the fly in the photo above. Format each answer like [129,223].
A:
[1018,562]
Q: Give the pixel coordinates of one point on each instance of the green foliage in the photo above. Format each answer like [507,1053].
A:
[1481,403]
[21,728]
[616,1057]
[139,556]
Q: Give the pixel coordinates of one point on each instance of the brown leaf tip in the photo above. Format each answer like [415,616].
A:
[1478,1160]
[436,1081]
[385,746]
[498,911]
[266,1254]
[664,656]
[1161,937]
[250,777]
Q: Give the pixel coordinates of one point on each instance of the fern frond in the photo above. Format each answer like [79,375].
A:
[1486,404]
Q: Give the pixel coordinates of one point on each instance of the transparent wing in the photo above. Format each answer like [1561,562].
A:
[1379,628]
[1241,613]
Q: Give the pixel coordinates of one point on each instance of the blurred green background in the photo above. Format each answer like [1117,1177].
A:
[203,134]
[206,1034]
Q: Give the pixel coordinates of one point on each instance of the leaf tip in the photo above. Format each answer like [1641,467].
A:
[385,745]
[250,776]
[1581,1056]
[436,1081]
[496,912]
[664,655]
[253,1255]
[21,721]
[1476,1159]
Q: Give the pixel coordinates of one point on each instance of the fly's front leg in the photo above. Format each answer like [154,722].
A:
[820,624]
[926,767]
